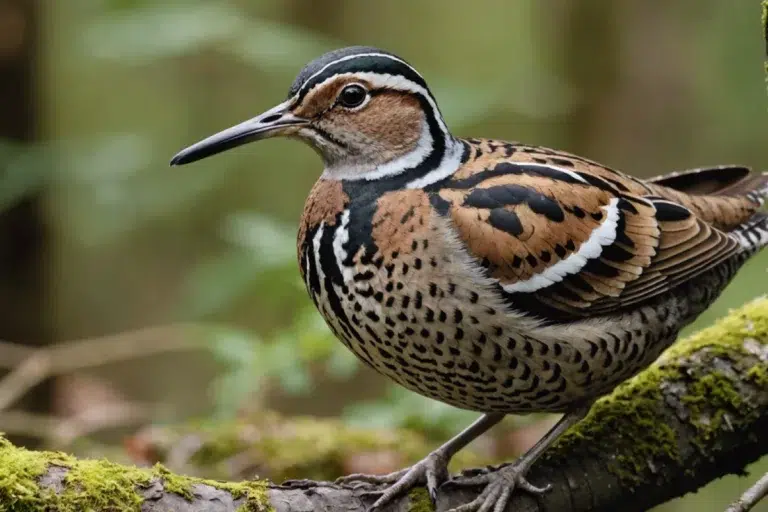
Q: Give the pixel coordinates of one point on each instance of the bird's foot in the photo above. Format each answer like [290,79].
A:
[499,486]
[431,471]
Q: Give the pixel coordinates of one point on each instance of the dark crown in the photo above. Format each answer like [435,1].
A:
[353,59]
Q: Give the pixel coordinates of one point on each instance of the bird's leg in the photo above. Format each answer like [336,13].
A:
[500,484]
[431,470]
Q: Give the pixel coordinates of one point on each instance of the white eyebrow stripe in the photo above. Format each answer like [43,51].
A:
[350,57]
[395,82]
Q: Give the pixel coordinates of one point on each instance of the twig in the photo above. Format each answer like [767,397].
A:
[28,424]
[751,496]
[27,375]
[13,354]
[39,364]
[61,432]
[100,417]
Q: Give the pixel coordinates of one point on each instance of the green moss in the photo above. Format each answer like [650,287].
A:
[636,409]
[735,336]
[98,484]
[765,16]
[20,470]
[727,336]
[758,375]
[102,485]
[419,501]
[637,403]
[254,491]
[174,483]
[713,391]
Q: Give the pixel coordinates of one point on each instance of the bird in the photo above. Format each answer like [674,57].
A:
[494,276]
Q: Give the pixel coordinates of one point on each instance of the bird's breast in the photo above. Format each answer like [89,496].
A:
[401,292]
[397,289]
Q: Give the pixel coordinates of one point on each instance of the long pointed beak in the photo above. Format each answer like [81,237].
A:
[274,121]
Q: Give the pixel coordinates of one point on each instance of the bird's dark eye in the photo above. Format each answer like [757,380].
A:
[352,96]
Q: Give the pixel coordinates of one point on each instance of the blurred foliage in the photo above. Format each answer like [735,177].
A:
[126,83]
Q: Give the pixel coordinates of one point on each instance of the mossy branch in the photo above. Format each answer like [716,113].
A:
[697,414]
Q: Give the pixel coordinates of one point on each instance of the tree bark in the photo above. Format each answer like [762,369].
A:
[698,413]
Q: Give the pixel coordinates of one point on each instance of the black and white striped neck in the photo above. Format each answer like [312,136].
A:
[436,157]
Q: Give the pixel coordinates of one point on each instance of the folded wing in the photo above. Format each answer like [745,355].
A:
[564,244]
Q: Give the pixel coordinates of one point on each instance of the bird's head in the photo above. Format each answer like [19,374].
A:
[368,113]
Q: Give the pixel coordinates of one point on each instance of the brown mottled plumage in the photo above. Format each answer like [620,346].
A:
[662,242]
[400,223]
[494,276]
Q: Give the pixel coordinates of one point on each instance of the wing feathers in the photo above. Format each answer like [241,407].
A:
[564,234]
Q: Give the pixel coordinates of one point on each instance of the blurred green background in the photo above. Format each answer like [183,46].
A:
[99,236]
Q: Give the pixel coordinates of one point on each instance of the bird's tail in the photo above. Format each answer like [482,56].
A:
[753,234]
[754,187]
[723,180]
[725,197]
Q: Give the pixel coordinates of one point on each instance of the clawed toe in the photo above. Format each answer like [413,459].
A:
[373,494]
[498,489]
[469,481]
[527,486]
[370,479]
[498,486]
[432,471]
